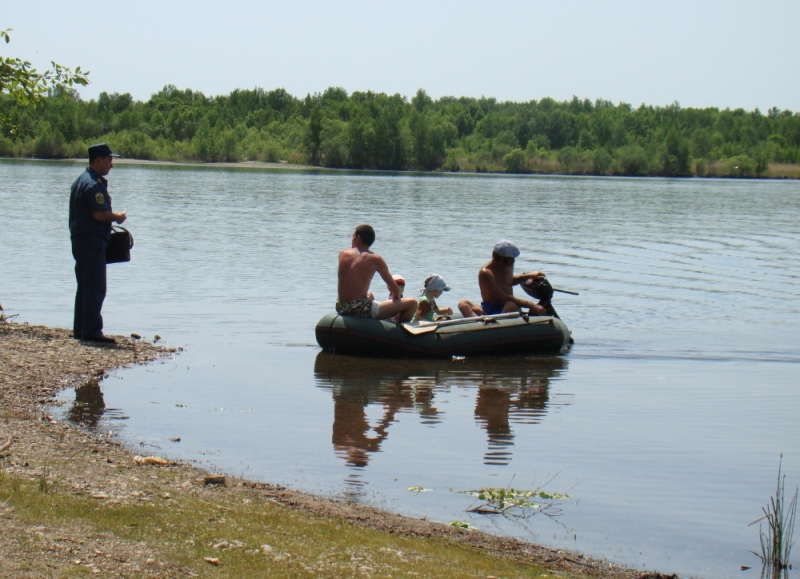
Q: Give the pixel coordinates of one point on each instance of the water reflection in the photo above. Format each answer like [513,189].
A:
[88,408]
[508,391]
[518,397]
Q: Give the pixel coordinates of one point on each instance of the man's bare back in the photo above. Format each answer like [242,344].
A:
[357,267]
[356,270]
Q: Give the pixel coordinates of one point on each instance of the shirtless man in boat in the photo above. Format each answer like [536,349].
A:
[357,267]
[496,280]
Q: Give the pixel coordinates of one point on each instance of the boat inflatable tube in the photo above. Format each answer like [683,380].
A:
[500,335]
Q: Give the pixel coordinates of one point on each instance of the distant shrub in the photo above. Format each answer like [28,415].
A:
[499,151]
[544,164]
[135,145]
[7,147]
[296,158]
[451,162]
[574,162]
[739,166]
[516,162]
[631,160]
[49,144]
[601,162]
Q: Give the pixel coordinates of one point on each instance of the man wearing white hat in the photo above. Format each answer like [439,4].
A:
[496,280]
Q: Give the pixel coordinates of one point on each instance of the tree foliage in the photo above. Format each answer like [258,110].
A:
[367,130]
[27,86]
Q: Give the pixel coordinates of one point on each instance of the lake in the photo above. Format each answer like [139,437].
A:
[664,423]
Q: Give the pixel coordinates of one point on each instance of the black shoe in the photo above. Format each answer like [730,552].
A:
[101,339]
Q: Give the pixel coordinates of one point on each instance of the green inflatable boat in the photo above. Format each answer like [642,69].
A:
[499,335]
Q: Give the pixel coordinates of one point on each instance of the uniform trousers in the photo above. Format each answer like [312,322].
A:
[90,272]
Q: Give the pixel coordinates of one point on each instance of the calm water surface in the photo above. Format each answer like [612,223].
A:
[664,423]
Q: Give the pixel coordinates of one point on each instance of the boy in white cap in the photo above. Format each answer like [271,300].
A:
[496,280]
[433,286]
[401,282]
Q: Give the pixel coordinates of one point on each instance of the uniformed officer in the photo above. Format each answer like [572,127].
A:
[90,219]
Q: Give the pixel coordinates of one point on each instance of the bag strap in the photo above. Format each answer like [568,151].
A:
[120,229]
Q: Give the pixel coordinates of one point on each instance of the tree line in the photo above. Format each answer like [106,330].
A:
[367,130]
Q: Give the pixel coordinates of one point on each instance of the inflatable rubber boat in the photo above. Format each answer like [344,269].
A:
[498,335]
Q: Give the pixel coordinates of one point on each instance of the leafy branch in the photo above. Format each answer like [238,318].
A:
[28,86]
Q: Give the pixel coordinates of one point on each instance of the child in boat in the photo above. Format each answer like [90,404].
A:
[399,280]
[434,285]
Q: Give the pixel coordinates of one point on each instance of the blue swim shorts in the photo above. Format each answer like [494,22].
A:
[491,309]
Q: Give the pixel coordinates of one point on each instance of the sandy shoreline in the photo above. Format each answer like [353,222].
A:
[777,171]
[241,164]
[37,362]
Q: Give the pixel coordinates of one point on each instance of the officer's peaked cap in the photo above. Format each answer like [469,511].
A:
[100,150]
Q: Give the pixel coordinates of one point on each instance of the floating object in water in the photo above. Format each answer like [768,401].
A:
[499,335]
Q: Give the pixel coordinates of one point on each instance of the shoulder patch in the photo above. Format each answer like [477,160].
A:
[100,199]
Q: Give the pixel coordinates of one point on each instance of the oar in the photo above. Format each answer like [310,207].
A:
[555,289]
[426,327]
[473,319]
[417,330]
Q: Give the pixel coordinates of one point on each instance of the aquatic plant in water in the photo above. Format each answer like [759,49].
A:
[515,502]
[777,541]
[419,489]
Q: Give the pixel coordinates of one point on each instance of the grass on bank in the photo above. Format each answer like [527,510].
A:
[184,530]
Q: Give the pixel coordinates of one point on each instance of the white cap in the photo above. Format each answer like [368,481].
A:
[436,282]
[506,248]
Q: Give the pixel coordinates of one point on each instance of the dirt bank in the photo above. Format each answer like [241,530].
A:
[35,364]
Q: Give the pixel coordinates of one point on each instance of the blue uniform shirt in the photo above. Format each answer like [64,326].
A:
[89,194]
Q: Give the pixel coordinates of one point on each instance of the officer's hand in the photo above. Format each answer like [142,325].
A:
[121,217]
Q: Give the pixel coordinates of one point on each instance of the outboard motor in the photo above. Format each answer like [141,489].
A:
[542,291]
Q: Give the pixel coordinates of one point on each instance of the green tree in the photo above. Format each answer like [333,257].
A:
[380,131]
[313,134]
[675,158]
[421,100]
[28,86]
[334,146]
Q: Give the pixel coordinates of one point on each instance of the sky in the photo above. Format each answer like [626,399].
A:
[700,53]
